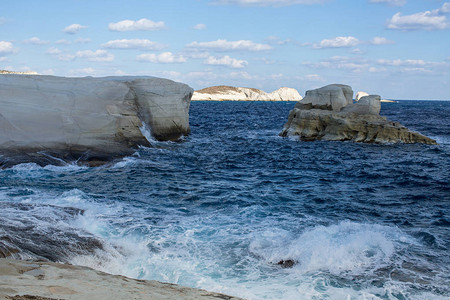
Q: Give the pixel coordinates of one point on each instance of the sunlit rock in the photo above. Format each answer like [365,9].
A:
[327,114]
[229,93]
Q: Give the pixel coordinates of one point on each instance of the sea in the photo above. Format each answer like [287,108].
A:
[235,208]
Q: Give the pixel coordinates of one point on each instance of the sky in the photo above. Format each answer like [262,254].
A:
[399,49]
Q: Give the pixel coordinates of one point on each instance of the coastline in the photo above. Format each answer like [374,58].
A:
[20,279]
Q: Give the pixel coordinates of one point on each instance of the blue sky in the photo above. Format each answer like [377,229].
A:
[399,49]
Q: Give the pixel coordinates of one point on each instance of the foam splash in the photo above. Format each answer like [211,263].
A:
[147,133]
[344,247]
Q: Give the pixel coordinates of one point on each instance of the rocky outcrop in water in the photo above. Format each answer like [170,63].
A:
[328,113]
[46,280]
[87,119]
[229,93]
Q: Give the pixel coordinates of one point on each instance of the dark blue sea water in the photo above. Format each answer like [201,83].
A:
[235,208]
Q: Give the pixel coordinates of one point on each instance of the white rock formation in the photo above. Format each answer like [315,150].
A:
[331,97]
[360,94]
[328,114]
[229,93]
[367,105]
[46,280]
[285,94]
[89,118]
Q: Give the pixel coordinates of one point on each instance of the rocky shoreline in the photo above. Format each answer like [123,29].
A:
[21,280]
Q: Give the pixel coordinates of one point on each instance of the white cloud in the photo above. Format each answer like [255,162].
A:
[445,9]
[36,41]
[381,41]
[2,20]
[427,20]
[275,3]
[74,28]
[98,55]
[165,58]
[200,27]
[142,24]
[224,45]
[3,58]
[6,48]
[423,20]
[63,42]
[390,2]
[133,44]
[226,61]
[338,42]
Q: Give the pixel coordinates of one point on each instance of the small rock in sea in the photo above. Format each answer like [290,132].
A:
[288,263]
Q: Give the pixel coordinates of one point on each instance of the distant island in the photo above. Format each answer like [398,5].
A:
[230,93]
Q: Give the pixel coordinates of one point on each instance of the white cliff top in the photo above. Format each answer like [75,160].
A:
[21,73]
[229,93]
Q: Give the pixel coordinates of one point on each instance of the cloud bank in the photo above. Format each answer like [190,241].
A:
[427,20]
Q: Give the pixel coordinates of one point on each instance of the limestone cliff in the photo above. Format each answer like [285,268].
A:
[88,118]
[229,93]
[329,114]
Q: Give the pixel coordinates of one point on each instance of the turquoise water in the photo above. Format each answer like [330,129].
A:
[235,208]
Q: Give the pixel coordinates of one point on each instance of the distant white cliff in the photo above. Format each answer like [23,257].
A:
[229,93]
[20,73]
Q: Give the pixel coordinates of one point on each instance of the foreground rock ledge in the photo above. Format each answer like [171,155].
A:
[328,113]
[88,118]
[31,280]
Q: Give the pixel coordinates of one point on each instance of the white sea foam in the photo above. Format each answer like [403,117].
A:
[344,247]
[147,133]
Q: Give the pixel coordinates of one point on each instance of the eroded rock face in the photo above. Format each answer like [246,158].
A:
[325,117]
[229,93]
[88,118]
[331,97]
